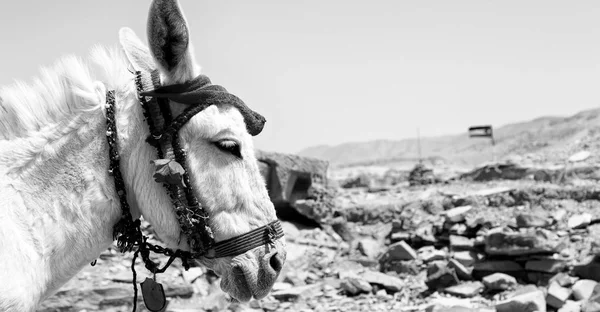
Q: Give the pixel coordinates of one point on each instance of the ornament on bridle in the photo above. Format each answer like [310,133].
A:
[168,171]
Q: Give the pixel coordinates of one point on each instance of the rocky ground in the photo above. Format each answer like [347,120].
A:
[500,245]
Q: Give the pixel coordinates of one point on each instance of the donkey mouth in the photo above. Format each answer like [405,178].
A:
[238,285]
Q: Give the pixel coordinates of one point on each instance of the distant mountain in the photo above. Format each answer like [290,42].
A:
[551,139]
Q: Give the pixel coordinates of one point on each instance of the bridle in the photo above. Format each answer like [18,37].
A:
[172,173]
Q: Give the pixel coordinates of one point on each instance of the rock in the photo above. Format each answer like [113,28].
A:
[462,272]
[538,278]
[557,295]
[499,281]
[361,180]
[579,221]
[559,215]
[429,253]
[421,175]
[424,235]
[408,267]
[528,220]
[400,236]
[589,268]
[457,214]
[466,290]
[564,279]
[355,286]
[492,191]
[296,293]
[439,275]
[460,242]
[281,286]
[571,306]
[458,229]
[579,156]
[391,283]
[530,241]
[399,251]
[512,268]
[369,247]
[545,265]
[530,302]
[593,303]
[583,289]
[467,258]
[451,304]
[340,226]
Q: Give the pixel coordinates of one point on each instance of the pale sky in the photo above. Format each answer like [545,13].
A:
[335,71]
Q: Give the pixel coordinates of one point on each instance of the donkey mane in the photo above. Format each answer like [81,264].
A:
[60,94]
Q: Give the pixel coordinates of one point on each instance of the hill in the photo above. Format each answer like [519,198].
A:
[544,139]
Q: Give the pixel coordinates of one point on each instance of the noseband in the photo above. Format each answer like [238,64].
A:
[171,171]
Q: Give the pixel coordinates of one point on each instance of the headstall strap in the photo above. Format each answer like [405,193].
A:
[171,172]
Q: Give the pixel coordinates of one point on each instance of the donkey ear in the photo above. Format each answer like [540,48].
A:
[169,38]
[137,53]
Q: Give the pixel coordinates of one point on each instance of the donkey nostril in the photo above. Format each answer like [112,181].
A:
[275,262]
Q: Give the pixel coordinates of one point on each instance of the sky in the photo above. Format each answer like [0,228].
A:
[336,71]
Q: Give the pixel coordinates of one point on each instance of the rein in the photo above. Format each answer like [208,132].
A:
[172,173]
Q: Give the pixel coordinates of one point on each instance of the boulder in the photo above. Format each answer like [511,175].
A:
[369,248]
[545,265]
[593,303]
[465,290]
[485,268]
[462,272]
[399,251]
[557,295]
[439,275]
[589,268]
[467,258]
[528,220]
[499,281]
[457,214]
[355,286]
[390,283]
[579,221]
[526,242]
[297,293]
[571,306]
[529,302]
[582,289]
[429,253]
[458,242]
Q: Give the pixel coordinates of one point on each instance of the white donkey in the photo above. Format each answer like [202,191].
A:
[58,201]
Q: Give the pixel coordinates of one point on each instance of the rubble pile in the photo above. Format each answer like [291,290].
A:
[421,175]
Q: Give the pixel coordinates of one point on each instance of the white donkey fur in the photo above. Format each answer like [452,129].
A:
[58,203]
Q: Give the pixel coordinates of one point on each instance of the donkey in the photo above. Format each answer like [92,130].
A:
[58,200]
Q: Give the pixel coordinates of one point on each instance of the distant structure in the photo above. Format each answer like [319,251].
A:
[484,132]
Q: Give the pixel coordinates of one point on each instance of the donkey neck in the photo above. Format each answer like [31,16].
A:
[58,206]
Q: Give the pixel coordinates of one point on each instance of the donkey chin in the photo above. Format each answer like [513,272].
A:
[252,274]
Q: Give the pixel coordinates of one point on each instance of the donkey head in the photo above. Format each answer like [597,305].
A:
[220,160]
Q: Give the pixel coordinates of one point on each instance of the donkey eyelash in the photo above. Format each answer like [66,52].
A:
[230,147]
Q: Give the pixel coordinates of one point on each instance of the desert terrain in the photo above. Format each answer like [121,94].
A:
[369,227]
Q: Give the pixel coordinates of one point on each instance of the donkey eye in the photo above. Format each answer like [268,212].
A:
[229,146]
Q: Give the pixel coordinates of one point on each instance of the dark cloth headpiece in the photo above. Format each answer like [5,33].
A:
[201,91]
